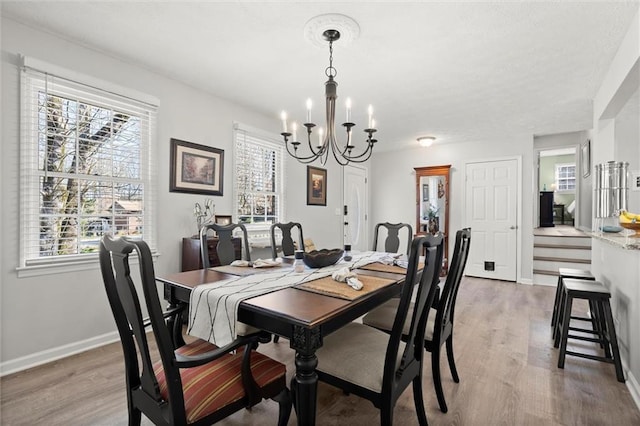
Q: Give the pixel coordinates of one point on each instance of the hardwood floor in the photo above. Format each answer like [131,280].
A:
[504,354]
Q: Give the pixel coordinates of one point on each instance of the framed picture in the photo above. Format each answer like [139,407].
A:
[316,186]
[223,220]
[196,169]
[585,158]
[425,192]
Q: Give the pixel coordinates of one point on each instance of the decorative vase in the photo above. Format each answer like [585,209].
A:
[434,225]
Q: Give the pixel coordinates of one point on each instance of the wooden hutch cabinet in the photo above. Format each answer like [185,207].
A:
[191,252]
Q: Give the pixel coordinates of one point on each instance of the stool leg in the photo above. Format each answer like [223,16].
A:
[554,316]
[613,339]
[559,320]
[566,317]
[596,324]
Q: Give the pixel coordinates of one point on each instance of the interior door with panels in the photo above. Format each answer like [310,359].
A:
[491,208]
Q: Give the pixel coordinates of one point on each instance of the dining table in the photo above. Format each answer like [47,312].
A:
[303,317]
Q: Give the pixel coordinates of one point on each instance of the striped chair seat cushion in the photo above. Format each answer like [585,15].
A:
[212,386]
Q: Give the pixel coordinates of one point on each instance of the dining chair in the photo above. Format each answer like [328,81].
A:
[225,248]
[195,384]
[392,242]
[439,329]
[288,246]
[379,366]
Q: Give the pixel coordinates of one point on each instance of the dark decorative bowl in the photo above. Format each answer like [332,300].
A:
[322,258]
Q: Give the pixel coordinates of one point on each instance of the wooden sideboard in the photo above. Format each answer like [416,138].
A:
[191,252]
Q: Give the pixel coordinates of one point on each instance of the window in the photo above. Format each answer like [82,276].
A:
[566,177]
[259,176]
[85,168]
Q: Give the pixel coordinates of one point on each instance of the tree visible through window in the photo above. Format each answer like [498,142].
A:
[92,172]
[258,167]
[565,177]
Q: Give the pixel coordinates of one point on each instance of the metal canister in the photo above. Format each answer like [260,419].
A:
[612,188]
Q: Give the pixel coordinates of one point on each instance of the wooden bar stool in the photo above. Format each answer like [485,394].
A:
[604,330]
[562,274]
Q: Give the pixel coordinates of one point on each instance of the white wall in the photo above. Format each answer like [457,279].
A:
[53,315]
[393,184]
[617,137]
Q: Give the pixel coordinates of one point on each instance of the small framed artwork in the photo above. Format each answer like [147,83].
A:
[425,192]
[223,220]
[196,169]
[316,186]
[585,158]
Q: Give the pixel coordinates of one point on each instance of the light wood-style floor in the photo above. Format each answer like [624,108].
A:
[504,354]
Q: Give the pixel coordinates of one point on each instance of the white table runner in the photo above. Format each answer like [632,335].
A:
[213,307]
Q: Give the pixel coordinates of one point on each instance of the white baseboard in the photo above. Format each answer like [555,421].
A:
[49,355]
[634,387]
[527,281]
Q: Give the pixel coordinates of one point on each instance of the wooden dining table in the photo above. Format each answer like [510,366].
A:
[302,317]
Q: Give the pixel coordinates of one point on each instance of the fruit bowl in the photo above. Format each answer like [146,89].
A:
[630,221]
[634,226]
[322,258]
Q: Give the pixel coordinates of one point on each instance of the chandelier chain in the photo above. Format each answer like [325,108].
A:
[330,71]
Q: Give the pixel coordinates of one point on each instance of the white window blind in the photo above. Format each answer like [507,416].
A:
[259,197]
[86,168]
[566,177]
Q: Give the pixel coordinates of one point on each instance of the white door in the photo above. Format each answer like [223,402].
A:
[355,207]
[491,207]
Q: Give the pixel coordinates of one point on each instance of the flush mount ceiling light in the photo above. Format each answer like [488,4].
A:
[426,140]
[329,28]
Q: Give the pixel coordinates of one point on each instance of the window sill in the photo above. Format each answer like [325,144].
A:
[63,267]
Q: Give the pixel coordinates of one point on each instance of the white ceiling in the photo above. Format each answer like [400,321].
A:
[459,71]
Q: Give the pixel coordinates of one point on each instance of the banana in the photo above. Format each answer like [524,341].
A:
[626,217]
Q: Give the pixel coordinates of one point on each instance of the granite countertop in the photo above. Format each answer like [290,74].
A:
[621,239]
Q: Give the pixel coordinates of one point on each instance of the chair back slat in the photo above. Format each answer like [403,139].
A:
[126,308]
[288,247]
[427,282]
[446,305]
[225,248]
[392,241]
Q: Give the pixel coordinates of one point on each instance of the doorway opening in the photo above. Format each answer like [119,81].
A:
[557,183]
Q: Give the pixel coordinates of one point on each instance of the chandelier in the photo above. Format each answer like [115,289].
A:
[326,141]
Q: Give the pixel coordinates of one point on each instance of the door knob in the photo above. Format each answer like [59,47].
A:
[512,227]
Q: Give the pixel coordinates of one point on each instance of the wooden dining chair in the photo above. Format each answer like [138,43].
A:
[288,247]
[440,326]
[392,242]
[378,366]
[225,249]
[195,384]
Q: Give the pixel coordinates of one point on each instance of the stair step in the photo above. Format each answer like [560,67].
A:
[560,240]
[560,259]
[544,272]
[544,279]
[562,246]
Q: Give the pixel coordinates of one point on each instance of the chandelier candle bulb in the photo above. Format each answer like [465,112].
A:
[283,117]
[372,125]
[309,104]
[348,104]
[370,112]
[294,128]
[320,132]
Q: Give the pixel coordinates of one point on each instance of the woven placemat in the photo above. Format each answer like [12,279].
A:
[381,267]
[330,287]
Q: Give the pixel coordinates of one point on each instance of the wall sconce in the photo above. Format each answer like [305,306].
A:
[426,141]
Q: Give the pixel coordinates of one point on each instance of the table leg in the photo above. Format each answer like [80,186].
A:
[306,383]
[305,341]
